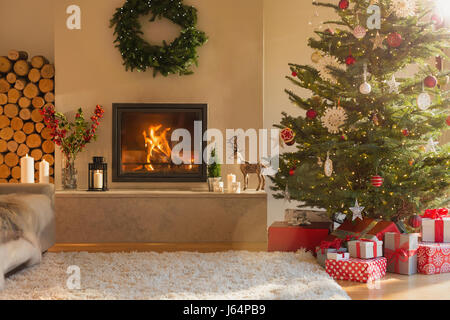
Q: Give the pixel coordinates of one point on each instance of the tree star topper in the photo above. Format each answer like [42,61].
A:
[357,210]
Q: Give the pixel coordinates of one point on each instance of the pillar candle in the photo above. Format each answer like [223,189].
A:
[27,169]
[44,169]
[231,178]
[98,179]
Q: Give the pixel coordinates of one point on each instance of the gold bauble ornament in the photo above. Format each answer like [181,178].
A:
[444,81]
[422,148]
[316,56]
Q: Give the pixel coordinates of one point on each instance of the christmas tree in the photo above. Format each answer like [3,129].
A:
[370,136]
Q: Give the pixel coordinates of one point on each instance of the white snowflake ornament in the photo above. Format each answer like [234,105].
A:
[333,119]
[404,8]
[325,72]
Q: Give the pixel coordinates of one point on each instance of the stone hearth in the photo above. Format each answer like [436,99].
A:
[160,216]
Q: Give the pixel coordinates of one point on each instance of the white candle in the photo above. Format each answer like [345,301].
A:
[231,178]
[27,169]
[98,179]
[44,169]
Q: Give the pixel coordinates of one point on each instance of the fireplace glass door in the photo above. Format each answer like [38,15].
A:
[143,145]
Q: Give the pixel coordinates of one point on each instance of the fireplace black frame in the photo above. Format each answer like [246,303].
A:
[120,108]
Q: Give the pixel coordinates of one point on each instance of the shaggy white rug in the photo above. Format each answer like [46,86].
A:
[178,275]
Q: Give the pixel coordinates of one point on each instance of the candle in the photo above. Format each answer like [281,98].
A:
[44,168]
[236,187]
[98,179]
[231,178]
[27,169]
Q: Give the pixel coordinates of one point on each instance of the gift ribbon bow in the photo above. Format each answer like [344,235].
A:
[358,247]
[351,237]
[437,215]
[335,244]
[401,254]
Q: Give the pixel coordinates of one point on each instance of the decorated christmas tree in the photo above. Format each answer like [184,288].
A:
[368,142]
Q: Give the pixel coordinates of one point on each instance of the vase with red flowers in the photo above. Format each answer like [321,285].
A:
[72,137]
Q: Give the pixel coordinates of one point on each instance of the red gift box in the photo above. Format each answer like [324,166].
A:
[433,258]
[359,270]
[284,237]
[366,228]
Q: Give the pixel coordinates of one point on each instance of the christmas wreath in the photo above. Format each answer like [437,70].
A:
[176,57]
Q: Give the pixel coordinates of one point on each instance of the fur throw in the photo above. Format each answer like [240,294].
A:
[22,218]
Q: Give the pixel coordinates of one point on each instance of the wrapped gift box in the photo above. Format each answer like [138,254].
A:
[284,237]
[338,256]
[436,230]
[366,228]
[365,249]
[310,215]
[322,254]
[433,258]
[400,251]
[357,269]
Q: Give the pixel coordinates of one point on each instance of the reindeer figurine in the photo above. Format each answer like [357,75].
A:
[247,167]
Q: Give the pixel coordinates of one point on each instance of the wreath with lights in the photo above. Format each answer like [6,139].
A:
[137,54]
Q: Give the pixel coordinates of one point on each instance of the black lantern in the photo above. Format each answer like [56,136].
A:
[98,175]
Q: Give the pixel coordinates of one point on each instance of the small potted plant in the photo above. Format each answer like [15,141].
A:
[213,170]
[71,137]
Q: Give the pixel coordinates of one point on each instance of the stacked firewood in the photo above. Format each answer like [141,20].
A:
[25,88]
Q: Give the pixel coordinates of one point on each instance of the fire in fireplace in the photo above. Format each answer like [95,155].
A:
[142,144]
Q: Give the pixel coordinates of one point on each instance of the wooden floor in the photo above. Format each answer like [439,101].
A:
[158,247]
[392,287]
[401,287]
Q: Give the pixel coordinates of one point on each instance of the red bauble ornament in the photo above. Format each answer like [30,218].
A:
[448,120]
[287,135]
[415,221]
[292,171]
[430,82]
[350,60]
[343,4]
[376,181]
[311,114]
[405,132]
[437,20]
[394,40]
[294,74]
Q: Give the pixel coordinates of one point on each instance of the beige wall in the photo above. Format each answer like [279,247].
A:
[27,25]
[287,28]
[229,77]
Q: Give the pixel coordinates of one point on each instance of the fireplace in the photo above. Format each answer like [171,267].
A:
[142,146]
